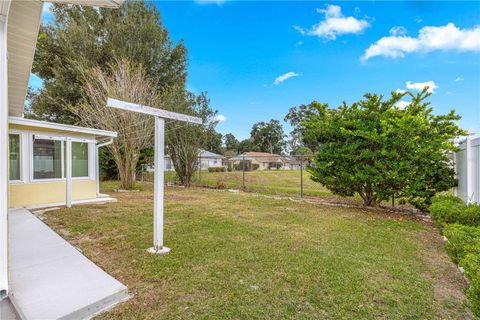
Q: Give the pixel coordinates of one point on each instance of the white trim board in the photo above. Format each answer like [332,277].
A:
[58,126]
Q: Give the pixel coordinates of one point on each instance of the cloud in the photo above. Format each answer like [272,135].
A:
[47,8]
[419,86]
[448,37]
[400,91]
[402,104]
[335,24]
[220,118]
[458,79]
[398,31]
[285,76]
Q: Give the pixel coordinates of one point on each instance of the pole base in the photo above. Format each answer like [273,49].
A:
[163,251]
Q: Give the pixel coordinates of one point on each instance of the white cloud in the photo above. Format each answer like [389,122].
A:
[458,79]
[398,31]
[419,86]
[285,76]
[219,118]
[448,37]
[335,24]
[400,91]
[402,104]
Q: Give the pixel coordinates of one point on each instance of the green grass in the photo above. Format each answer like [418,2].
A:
[251,256]
[286,182]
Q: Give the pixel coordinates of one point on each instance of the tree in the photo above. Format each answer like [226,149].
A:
[377,150]
[246,145]
[296,117]
[213,141]
[184,140]
[230,142]
[128,82]
[268,136]
[82,38]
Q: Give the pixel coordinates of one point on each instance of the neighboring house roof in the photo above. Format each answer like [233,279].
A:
[265,156]
[208,154]
[205,154]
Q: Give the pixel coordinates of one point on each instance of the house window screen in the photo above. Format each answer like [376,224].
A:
[47,159]
[14,156]
[79,159]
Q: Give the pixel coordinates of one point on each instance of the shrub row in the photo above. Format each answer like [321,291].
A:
[450,209]
[460,224]
[216,169]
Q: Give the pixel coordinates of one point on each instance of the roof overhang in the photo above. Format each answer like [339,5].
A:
[23,22]
[61,127]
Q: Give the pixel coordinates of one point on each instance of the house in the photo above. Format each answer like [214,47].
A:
[38,162]
[42,164]
[207,160]
[266,161]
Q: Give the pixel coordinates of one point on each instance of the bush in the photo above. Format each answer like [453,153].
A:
[450,209]
[471,265]
[460,223]
[461,240]
[216,169]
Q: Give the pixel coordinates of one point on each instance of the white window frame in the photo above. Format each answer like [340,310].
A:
[41,136]
[20,140]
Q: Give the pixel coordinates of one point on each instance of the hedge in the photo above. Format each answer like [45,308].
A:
[449,209]
[461,240]
[216,169]
[460,224]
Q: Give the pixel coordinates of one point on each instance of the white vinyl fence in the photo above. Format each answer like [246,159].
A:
[467,166]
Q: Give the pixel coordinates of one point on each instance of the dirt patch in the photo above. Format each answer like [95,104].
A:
[448,282]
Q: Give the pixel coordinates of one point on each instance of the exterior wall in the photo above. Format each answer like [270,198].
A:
[44,193]
[467,166]
[28,192]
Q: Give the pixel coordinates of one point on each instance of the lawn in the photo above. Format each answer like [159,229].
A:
[265,181]
[252,256]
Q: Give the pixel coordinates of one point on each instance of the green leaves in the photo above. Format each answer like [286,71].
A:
[378,150]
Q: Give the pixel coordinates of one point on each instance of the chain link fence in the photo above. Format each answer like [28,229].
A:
[271,174]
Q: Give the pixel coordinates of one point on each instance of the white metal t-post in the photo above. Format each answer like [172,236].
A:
[159,159]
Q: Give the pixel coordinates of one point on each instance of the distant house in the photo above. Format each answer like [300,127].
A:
[207,160]
[265,161]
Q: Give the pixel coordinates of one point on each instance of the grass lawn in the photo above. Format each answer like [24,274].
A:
[251,256]
[264,181]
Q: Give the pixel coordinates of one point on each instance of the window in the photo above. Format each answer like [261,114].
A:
[14,156]
[79,159]
[47,159]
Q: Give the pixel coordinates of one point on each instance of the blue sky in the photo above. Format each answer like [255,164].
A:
[258,59]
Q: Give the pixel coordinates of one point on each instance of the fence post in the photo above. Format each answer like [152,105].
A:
[301,177]
[243,172]
[469,167]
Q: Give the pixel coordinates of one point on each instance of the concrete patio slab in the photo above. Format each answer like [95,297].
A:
[50,279]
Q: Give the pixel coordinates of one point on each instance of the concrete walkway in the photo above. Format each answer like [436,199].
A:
[50,279]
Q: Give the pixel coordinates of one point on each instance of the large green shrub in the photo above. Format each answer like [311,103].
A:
[449,209]
[379,151]
[216,169]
